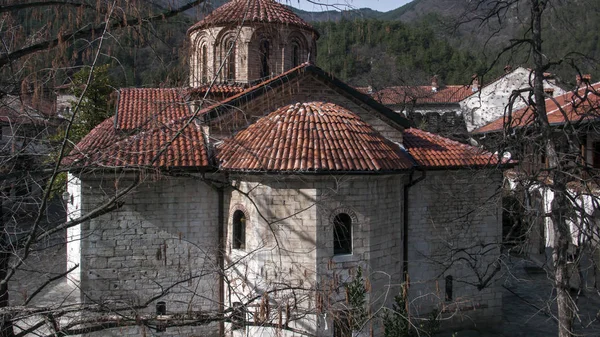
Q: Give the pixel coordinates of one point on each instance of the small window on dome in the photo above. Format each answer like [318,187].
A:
[265,47]
[204,56]
[229,57]
[295,55]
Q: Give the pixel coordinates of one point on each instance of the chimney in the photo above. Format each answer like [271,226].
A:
[434,83]
[507,69]
[549,91]
[475,83]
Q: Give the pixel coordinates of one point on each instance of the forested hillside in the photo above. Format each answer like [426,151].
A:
[376,52]
[406,45]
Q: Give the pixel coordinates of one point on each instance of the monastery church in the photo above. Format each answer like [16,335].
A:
[252,198]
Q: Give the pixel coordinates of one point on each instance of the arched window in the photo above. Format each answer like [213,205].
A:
[204,64]
[295,55]
[342,234]
[264,50]
[239,230]
[229,55]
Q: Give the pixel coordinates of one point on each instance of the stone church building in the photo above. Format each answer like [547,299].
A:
[252,198]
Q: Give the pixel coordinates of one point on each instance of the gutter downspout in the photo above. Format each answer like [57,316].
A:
[407,187]
[221,258]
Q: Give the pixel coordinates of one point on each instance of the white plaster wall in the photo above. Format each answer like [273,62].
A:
[450,213]
[490,102]
[165,233]
[74,233]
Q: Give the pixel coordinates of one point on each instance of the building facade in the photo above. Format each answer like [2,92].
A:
[253,215]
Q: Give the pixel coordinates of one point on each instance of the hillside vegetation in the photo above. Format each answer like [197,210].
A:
[405,46]
[382,53]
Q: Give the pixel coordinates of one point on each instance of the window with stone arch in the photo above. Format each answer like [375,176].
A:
[297,50]
[264,53]
[343,222]
[228,55]
[239,229]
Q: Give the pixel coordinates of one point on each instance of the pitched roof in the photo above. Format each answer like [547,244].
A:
[582,105]
[422,94]
[436,152]
[24,110]
[145,108]
[308,68]
[249,11]
[305,137]
[176,145]
[147,120]
[220,89]
[311,137]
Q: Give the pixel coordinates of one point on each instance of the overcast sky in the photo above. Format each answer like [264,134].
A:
[378,5]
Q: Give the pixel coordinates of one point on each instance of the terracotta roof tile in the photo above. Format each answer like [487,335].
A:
[433,151]
[582,105]
[221,89]
[309,137]
[104,147]
[263,11]
[146,108]
[422,94]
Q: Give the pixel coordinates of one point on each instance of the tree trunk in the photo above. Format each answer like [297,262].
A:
[558,179]
[560,255]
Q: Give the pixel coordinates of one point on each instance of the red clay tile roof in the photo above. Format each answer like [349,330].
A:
[584,105]
[300,70]
[146,108]
[221,89]
[24,110]
[433,151]
[263,11]
[422,94]
[156,114]
[103,147]
[309,137]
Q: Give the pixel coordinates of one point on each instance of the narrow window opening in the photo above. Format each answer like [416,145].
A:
[265,47]
[204,64]
[239,230]
[449,288]
[295,55]
[229,61]
[342,234]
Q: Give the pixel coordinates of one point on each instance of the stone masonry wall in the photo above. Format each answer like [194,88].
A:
[166,232]
[298,213]
[376,205]
[455,229]
[247,54]
[279,255]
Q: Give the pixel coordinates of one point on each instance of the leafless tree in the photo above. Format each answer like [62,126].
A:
[565,173]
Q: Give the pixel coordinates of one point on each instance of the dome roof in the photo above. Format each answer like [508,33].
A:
[311,137]
[262,11]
